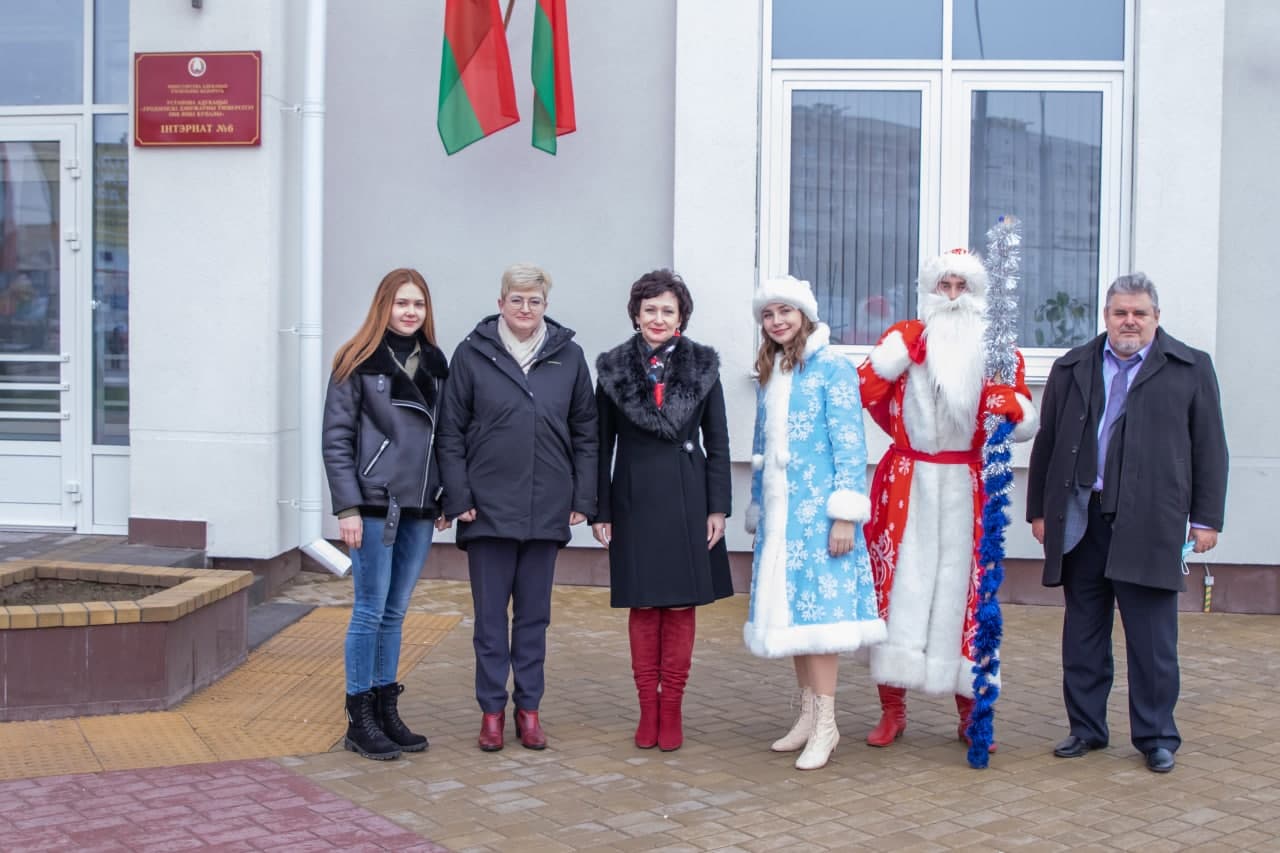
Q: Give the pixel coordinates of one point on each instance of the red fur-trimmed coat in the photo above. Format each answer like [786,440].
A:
[926,510]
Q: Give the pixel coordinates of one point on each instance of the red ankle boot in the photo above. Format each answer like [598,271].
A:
[529,730]
[491,726]
[893,716]
[645,629]
[678,629]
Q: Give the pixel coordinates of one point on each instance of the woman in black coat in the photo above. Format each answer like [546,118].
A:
[664,499]
[379,433]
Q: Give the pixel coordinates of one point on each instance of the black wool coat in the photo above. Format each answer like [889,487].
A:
[1172,468]
[519,449]
[377,440]
[671,470]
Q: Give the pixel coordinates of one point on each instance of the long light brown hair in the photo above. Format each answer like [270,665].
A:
[792,351]
[369,336]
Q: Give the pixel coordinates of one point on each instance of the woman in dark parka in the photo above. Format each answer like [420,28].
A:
[664,499]
[517,451]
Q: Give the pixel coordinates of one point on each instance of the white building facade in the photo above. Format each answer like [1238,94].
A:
[150,297]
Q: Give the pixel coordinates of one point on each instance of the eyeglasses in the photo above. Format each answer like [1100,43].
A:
[534,303]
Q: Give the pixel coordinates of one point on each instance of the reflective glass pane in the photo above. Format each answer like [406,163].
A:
[41,52]
[855,206]
[111,51]
[28,399]
[857,29]
[29,228]
[1038,29]
[111,279]
[1038,156]
[23,429]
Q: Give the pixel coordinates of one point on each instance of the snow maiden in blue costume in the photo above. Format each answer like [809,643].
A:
[812,594]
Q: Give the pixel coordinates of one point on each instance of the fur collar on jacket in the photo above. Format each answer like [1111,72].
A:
[691,373]
[432,367]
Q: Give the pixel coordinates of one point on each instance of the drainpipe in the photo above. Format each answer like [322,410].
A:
[311,301]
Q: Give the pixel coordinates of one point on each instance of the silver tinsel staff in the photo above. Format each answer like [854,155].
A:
[1002,259]
[1000,345]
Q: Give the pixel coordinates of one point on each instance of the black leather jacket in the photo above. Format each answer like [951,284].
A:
[379,437]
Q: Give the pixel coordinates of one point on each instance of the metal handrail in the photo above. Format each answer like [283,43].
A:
[34,386]
[35,358]
[34,416]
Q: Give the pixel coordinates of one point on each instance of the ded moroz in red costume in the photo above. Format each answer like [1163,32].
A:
[923,383]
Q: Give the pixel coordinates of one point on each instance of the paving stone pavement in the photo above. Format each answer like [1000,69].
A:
[234,805]
[724,791]
[593,790]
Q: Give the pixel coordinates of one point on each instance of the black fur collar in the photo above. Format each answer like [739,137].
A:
[691,372]
[432,367]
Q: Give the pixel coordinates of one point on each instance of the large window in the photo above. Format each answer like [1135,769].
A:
[881,150]
[41,52]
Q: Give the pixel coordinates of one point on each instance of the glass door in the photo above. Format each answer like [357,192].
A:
[39,479]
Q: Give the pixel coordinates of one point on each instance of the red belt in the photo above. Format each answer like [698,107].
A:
[946,457]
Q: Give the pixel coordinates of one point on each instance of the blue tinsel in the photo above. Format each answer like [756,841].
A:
[1003,241]
[997,480]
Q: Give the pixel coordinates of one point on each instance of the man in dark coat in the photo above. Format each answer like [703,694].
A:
[517,447]
[1131,448]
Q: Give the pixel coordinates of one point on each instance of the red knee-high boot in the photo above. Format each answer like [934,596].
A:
[893,716]
[964,707]
[678,628]
[645,628]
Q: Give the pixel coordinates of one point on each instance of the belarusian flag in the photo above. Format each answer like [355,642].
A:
[477,92]
[552,82]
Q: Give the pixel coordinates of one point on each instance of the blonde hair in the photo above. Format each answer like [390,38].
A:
[525,277]
[792,352]
[369,336]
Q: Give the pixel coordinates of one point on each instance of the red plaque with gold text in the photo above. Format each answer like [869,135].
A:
[212,98]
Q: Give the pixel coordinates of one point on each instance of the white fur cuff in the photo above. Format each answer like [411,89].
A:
[757,461]
[1026,428]
[890,358]
[848,505]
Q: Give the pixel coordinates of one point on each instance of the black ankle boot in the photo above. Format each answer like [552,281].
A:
[363,733]
[391,724]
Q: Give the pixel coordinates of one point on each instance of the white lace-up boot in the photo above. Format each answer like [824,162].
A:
[825,735]
[803,728]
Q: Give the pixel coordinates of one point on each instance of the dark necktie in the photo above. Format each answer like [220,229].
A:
[1115,406]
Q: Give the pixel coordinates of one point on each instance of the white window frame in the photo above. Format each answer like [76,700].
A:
[775,170]
[946,86]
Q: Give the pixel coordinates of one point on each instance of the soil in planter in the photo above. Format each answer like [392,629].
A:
[53,591]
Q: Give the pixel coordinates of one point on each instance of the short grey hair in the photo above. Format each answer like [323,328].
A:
[1134,282]
[525,277]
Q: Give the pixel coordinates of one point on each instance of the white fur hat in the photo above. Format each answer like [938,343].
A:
[789,290]
[959,262]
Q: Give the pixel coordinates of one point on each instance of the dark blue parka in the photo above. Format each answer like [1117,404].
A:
[519,449]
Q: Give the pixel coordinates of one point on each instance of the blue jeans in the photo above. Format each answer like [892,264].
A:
[384,578]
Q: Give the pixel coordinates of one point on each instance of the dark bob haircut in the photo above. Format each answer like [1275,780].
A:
[656,283]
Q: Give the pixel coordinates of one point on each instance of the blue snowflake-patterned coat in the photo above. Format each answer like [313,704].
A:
[810,467]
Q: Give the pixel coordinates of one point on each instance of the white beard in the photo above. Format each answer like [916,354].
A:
[954,357]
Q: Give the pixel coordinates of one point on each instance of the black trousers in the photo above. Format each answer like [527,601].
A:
[507,571]
[1150,618]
